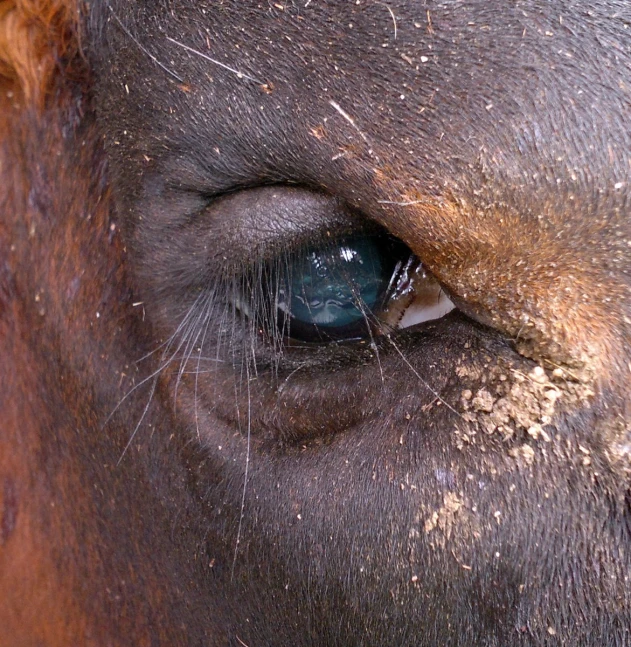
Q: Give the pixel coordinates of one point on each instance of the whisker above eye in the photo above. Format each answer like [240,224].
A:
[141,47]
[241,75]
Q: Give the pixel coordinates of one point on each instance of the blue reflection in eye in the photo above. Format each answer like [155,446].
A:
[330,292]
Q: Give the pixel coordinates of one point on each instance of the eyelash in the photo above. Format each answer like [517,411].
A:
[317,295]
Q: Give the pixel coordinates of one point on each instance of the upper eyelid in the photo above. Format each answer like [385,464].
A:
[194,244]
[257,224]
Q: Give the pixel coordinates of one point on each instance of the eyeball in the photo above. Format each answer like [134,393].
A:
[356,287]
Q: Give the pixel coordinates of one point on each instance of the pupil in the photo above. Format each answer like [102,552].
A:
[334,287]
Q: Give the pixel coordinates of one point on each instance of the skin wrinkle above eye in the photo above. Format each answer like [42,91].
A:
[263,220]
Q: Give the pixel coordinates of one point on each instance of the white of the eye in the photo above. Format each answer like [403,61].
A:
[419,312]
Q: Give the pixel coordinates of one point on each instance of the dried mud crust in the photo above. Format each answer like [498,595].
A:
[523,406]
[519,405]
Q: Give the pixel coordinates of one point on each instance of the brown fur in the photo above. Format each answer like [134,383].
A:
[103,541]
[44,244]
[65,575]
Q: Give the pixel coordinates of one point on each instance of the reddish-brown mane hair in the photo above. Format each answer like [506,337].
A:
[45,182]
[38,39]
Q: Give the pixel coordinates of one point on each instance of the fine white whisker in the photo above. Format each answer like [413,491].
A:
[176,332]
[141,47]
[142,417]
[191,335]
[351,121]
[247,463]
[369,318]
[153,377]
[394,18]
[423,382]
[197,373]
[135,388]
[282,386]
[241,75]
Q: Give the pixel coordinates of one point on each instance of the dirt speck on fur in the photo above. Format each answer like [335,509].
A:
[523,453]
[443,518]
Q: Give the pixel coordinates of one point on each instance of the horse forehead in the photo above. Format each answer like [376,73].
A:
[443,89]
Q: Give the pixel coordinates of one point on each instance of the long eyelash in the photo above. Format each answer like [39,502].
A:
[371,321]
[196,374]
[246,472]
[153,378]
[195,329]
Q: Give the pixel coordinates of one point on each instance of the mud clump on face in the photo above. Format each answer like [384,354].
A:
[520,406]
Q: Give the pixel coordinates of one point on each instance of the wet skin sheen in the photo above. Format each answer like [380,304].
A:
[227,474]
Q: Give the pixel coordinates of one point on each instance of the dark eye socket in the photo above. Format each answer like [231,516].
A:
[257,271]
[356,287]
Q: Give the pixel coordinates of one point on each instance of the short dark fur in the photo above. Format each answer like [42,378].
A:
[462,482]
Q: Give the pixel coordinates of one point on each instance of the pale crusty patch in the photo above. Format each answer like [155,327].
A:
[455,523]
[444,517]
[512,402]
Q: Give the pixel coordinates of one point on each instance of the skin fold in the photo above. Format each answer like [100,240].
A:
[177,469]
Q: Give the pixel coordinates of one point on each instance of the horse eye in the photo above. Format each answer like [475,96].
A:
[356,287]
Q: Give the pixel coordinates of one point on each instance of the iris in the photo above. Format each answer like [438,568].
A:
[332,292]
[356,287]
